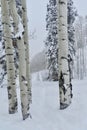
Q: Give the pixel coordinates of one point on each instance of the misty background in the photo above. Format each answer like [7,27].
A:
[37,24]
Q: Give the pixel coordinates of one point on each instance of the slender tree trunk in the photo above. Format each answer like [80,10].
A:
[22,61]
[83,60]
[81,55]
[81,67]
[12,96]
[78,64]
[65,86]
[26,42]
[22,78]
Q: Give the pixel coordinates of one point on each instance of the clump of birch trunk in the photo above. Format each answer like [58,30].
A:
[19,33]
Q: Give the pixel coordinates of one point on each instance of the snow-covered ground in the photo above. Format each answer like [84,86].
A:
[45,109]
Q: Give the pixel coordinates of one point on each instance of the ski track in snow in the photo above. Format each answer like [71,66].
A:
[45,109]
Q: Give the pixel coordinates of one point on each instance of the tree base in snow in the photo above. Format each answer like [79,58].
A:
[63,106]
[13,109]
[12,112]
[26,116]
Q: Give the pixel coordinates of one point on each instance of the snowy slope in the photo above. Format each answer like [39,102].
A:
[45,109]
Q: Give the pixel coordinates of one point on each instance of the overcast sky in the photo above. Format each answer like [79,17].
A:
[81,6]
[36,16]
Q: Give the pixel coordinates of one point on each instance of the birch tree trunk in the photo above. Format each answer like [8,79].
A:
[12,96]
[22,78]
[22,61]
[81,65]
[65,86]
[26,42]
[78,64]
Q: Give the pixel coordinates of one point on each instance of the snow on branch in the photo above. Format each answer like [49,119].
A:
[20,31]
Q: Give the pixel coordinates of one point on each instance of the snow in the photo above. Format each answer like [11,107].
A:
[20,30]
[40,75]
[45,109]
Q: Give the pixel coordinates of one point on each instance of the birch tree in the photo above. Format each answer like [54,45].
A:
[3,71]
[80,40]
[26,42]
[12,96]
[19,34]
[51,42]
[64,77]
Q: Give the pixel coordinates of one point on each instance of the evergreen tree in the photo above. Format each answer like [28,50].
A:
[72,13]
[52,39]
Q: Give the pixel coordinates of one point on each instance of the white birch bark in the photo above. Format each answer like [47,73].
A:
[64,78]
[22,61]
[12,96]
[78,64]
[26,42]
[22,78]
